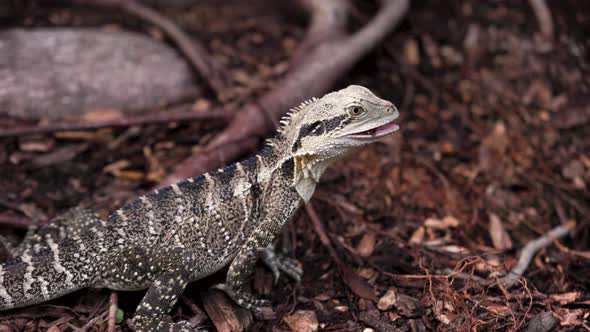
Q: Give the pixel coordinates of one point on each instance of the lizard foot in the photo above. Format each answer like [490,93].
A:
[278,263]
[243,298]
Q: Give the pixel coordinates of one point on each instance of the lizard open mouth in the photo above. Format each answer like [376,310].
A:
[377,132]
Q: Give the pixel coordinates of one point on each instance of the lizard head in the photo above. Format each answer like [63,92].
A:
[340,122]
[320,130]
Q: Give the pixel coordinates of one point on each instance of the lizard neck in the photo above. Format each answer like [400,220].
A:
[301,172]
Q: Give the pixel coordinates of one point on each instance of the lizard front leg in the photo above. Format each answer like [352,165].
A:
[236,286]
[152,313]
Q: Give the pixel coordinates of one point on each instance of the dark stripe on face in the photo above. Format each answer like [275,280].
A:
[333,123]
[314,129]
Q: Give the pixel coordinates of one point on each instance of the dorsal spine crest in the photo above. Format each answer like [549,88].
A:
[286,119]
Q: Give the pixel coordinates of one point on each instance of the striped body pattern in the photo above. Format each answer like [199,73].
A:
[191,229]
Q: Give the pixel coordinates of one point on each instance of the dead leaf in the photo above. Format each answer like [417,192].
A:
[445,223]
[572,318]
[441,316]
[201,105]
[358,285]
[565,298]
[302,321]
[323,297]
[493,148]
[341,308]
[131,175]
[418,236]
[572,117]
[103,114]
[54,328]
[60,155]
[434,223]
[386,301]
[411,52]
[116,167]
[367,273]
[156,170]
[499,309]
[447,148]
[43,145]
[100,135]
[450,221]
[367,244]
[500,237]
[454,249]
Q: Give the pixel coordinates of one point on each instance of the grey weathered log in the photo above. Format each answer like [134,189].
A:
[57,72]
[170,4]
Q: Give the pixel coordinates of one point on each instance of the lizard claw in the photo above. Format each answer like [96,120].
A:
[242,298]
[278,263]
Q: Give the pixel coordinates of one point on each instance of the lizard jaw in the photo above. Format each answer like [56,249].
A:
[377,132]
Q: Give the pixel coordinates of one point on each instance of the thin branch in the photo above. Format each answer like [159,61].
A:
[13,221]
[112,312]
[544,19]
[530,250]
[180,113]
[321,232]
[196,54]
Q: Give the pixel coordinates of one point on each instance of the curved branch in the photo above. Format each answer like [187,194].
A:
[312,74]
[530,250]
[544,19]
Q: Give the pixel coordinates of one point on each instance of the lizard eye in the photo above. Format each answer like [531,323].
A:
[357,111]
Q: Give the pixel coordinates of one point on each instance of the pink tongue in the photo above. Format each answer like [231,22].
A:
[387,128]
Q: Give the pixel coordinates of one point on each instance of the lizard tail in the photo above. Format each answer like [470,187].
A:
[34,279]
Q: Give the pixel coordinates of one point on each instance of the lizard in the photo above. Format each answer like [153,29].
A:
[188,230]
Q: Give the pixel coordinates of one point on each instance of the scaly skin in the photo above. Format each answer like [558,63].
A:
[191,229]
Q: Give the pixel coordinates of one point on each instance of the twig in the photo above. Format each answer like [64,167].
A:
[529,251]
[179,113]
[13,221]
[357,285]
[112,312]
[543,17]
[583,254]
[312,74]
[196,54]
[321,232]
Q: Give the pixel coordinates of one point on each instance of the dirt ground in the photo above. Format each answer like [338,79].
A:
[493,153]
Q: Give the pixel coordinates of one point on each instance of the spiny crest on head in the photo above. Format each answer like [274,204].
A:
[286,120]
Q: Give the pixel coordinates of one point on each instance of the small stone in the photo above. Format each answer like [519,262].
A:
[542,322]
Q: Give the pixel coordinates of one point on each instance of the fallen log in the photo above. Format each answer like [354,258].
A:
[52,73]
